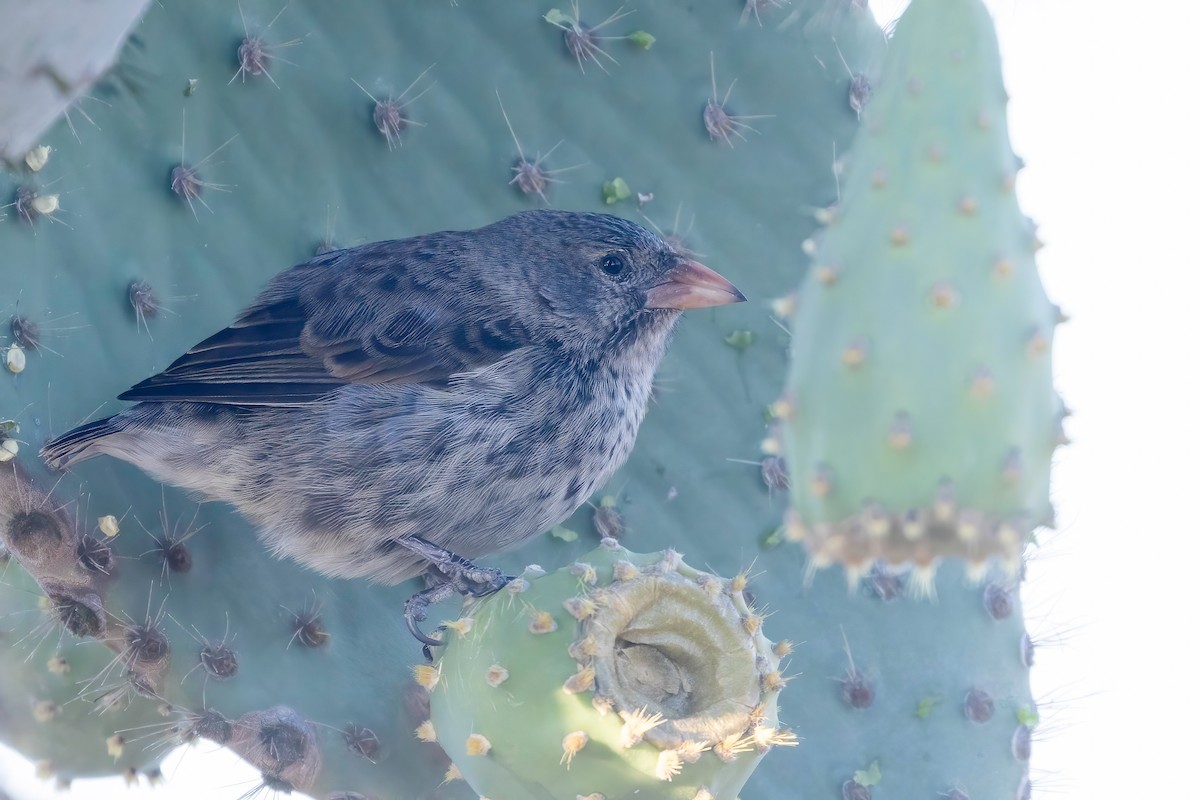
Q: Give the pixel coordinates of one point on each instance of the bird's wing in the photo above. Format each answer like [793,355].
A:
[389,312]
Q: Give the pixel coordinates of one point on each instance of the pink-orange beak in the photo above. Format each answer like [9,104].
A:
[689,285]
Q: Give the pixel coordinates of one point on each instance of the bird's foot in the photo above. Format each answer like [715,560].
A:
[452,574]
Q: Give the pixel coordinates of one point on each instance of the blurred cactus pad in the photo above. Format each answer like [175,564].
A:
[920,412]
[232,141]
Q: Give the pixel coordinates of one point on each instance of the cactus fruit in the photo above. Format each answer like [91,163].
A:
[619,676]
[920,415]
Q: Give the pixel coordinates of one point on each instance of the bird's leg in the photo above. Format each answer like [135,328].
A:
[464,576]
[451,574]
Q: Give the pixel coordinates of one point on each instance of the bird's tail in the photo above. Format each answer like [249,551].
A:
[80,443]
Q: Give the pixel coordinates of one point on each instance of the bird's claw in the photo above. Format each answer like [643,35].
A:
[425,651]
[453,574]
[415,611]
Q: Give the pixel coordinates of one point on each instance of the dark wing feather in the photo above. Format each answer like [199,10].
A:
[390,312]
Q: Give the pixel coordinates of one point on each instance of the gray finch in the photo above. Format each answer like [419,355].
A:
[467,388]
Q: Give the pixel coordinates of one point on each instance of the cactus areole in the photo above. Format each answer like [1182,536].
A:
[620,676]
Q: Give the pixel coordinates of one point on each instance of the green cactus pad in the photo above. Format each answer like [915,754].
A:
[207,171]
[919,416]
[885,676]
[620,676]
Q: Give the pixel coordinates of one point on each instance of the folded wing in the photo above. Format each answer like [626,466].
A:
[388,312]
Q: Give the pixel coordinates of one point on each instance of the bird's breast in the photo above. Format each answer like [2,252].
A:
[491,462]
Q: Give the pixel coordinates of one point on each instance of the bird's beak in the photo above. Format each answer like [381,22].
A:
[689,285]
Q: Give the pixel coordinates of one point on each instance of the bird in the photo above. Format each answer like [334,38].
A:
[398,408]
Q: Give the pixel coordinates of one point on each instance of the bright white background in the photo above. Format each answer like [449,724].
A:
[1103,111]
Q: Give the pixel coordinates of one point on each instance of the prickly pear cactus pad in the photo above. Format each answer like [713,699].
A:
[234,140]
[619,676]
[919,417]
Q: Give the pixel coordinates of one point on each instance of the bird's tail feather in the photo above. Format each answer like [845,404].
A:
[79,444]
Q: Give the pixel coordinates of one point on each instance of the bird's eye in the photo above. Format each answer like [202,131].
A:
[612,265]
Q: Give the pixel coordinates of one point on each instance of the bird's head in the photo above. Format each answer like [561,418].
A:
[600,279]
